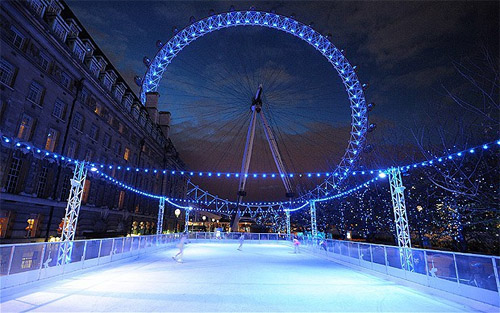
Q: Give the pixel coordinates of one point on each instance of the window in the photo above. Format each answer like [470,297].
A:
[16,37]
[13,176]
[83,96]
[94,132]
[7,72]
[78,52]
[42,182]
[110,119]
[59,109]
[72,146]
[107,140]
[78,121]
[35,93]
[97,109]
[66,184]
[89,154]
[121,129]
[94,67]
[86,191]
[118,147]
[65,80]
[106,81]
[59,30]
[25,127]
[51,141]
[121,199]
[126,154]
[37,7]
[44,61]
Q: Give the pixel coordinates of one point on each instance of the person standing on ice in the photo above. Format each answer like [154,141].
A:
[296,244]
[242,239]
[178,256]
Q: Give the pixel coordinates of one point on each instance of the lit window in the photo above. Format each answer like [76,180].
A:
[59,109]
[121,199]
[86,191]
[16,37]
[78,121]
[126,154]
[25,128]
[31,230]
[7,72]
[13,175]
[72,146]
[4,223]
[35,93]
[94,132]
[51,141]
[97,109]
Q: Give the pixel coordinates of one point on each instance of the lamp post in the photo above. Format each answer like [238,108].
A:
[212,225]
[177,212]
[204,218]
[419,223]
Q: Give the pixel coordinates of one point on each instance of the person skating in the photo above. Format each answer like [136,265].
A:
[242,239]
[178,256]
[296,244]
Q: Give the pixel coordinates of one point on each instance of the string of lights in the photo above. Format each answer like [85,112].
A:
[175,201]
[211,174]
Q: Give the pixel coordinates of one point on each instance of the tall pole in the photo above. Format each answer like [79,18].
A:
[401,219]
[161,209]
[186,229]
[314,228]
[72,211]
[287,224]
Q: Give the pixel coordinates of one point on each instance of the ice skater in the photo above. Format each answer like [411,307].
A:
[296,244]
[242,239]
[178,256]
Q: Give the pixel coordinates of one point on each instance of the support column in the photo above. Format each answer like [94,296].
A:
[314,228]
[72,211]
[401,219]
[161,209]
[287,224]
[187,221]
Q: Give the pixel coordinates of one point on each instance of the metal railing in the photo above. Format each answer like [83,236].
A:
[469,275]
[24,263]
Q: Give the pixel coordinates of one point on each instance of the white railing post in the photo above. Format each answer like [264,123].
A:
[495,270]
[10,259]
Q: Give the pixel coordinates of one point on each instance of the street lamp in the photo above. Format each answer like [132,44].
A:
[204,218]
[211,226]
[177,212]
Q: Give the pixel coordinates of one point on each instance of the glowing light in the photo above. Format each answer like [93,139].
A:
[382,175]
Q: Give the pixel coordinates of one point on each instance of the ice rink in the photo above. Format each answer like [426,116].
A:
[219,278]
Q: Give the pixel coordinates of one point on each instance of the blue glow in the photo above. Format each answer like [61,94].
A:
[382,175]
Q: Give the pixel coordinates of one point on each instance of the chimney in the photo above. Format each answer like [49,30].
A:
[152,105]
[164,123]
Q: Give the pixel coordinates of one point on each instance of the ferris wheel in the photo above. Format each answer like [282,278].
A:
[257,93]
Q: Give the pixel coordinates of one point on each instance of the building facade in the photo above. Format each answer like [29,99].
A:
[59,92]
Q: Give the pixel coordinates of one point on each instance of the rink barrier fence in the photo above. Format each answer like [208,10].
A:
[469,275]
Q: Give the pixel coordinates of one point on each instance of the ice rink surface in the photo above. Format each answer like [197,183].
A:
[219,278]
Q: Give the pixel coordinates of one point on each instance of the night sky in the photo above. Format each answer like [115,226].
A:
[406,51]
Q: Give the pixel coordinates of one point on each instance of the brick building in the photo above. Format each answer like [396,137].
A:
[59,92]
